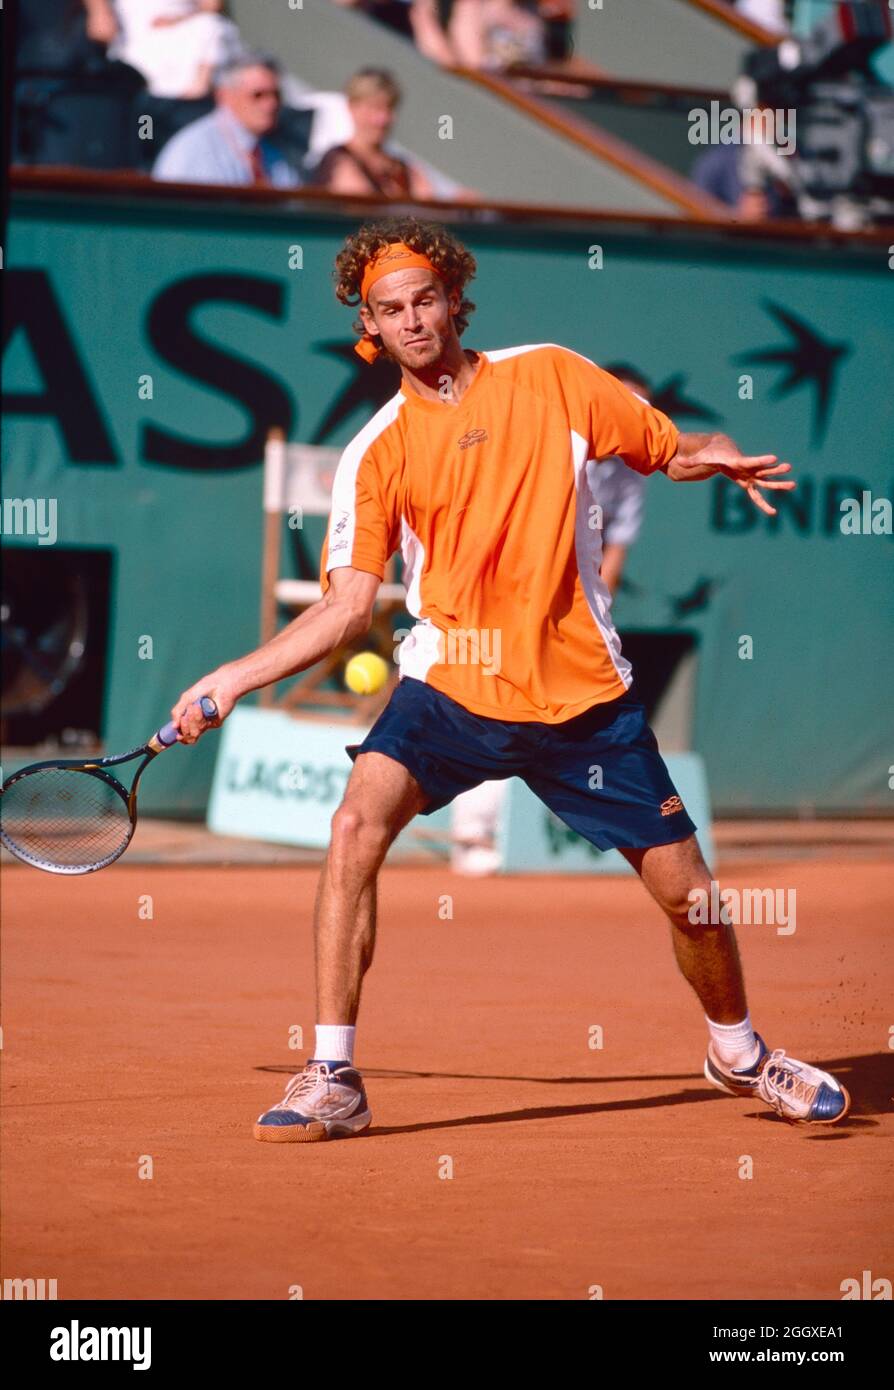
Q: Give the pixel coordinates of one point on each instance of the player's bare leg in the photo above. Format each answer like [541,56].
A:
[380,799]
[327,1100]
[707,955]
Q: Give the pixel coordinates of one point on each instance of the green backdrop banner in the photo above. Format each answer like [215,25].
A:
[149,347]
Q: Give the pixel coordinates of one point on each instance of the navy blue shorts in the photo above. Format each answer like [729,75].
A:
[600,772]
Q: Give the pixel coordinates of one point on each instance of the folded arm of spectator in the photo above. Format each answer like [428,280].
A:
[431,39]
[102,24]
[164,21]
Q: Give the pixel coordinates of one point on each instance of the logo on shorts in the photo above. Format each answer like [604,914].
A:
[472,437]
[671,806]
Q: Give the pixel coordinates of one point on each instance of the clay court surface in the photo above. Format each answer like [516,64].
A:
[572,1167]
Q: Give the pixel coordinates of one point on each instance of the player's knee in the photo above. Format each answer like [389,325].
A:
[677,909]
[686,905]
[358,833]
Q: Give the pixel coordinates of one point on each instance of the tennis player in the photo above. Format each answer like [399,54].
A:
[477,471]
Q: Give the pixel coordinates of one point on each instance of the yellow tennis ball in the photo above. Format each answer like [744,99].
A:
[366,673]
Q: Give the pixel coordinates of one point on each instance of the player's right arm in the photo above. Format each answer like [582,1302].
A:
[362,533]
[344,612]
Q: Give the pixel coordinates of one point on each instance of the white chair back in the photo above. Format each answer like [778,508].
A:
[299,476]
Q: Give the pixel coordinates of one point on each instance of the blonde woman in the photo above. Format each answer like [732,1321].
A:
[363,164]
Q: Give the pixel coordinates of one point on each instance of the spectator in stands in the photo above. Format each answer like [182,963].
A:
[176,44]
[558,22]
[58,36]
[101,24]
[752,177]
[71,102]
[363,164]
[235,143]
[512,33]
[479,34]
[448,32]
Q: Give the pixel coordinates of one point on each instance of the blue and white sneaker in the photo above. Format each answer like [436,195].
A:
[737,1081]
[326,1100]
[795,1090]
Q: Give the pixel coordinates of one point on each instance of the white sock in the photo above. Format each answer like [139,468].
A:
[734,1043]
[334,1042]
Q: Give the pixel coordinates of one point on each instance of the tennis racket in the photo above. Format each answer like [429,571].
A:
[73,817]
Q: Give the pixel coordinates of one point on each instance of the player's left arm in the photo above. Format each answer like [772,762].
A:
[701,456]
[618,422]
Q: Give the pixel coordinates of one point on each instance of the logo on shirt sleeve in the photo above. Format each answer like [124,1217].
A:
[339,540]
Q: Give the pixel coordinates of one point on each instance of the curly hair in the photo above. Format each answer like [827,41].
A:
[454,264]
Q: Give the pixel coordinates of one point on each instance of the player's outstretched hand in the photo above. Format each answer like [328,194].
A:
[221,685]
[754,473]
[700,457]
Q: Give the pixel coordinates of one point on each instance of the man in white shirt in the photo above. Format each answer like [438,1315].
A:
[234,144]
[175,44]
[620,492]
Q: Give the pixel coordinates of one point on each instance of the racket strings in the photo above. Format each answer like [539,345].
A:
[64,818]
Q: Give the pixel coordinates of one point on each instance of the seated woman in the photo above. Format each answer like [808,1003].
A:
[363,164]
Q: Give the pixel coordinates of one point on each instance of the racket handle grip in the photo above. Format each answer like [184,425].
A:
[169,734]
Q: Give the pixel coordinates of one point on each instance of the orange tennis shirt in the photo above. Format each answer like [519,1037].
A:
[492,506]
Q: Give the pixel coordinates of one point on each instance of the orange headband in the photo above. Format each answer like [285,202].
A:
[395,256]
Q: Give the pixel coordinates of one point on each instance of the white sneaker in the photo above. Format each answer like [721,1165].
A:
[795,1090]
[326,1100]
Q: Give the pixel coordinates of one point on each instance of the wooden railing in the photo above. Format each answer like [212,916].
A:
[47,179]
